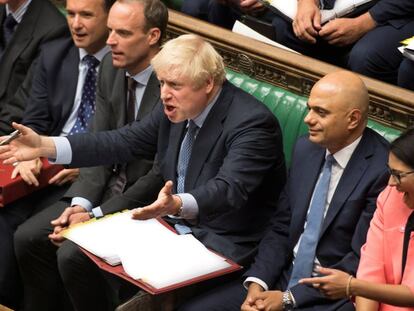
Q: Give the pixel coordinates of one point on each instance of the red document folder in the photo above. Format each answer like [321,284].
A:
[13,189]
[119,271]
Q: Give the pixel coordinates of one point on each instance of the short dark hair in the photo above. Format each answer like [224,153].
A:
[155,13]
[108,4]
[403,147]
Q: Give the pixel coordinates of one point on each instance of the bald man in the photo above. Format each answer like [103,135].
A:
[337,120]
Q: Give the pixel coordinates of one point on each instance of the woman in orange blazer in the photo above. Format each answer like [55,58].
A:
[385,281]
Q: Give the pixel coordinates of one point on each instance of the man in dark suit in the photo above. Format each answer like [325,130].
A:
[100,188]
[337,118]
[33,23]
[226,191]
[53,106]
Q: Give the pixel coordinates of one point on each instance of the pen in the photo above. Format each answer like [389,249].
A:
[12,136]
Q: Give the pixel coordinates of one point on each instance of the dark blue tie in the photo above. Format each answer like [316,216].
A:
[303,264]
[8,28]
[185,154]
[87,105]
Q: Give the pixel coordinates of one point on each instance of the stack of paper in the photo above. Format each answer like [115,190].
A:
[407,49]
[148,250]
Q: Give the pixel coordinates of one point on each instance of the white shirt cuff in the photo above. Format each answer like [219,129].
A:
[82,202]
[97,212]
[252,279]
[63,151]
[190,206]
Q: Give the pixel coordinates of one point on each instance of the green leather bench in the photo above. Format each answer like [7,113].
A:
[290,109]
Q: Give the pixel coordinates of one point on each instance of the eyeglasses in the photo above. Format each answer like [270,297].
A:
[397,174]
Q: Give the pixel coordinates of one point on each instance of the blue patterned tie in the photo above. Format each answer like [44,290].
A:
[8,29]
[87,105]
[303,264]
[185,154]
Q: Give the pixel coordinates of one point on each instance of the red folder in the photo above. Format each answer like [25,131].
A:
[119,271]
[13,189]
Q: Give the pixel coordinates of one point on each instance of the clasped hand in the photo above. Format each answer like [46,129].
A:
[70,216]
[257,299]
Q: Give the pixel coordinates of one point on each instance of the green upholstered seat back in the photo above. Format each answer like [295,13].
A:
[290,109]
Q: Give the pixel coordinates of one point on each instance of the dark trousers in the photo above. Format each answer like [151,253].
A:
[57,277]
[230,296]
[11,216]
[374,55]
[406,74]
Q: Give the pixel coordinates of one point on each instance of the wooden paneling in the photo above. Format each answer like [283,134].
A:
[389,104]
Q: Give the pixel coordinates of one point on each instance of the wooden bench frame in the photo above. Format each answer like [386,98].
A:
[390,105]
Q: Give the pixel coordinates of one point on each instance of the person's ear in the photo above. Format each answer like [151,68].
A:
[354,118]
[154,35]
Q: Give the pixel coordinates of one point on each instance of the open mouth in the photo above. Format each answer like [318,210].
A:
[169,108]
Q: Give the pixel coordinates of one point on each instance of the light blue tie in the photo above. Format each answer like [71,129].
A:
[305,256]
[185,154]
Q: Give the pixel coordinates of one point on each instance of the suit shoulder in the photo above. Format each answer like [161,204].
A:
[45,18]
[376,140]
[245,104]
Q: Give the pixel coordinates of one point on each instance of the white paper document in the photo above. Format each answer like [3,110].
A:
[147,249]
[341,8]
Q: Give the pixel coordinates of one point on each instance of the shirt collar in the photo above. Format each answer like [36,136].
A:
[143,76]
[199,120]
[343,156]
[98,55]
[18,15]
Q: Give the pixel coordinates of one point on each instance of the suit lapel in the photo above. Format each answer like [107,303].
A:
[118,97]
[69,75]
[174,144]
[306,185]
[19,41]
[207,136]
[150,98]
[351,176]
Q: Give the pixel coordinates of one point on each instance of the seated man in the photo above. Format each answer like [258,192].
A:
[223,191]
[356,43]
[24,26]
[366,44]
[65,68]
[336,174]
[127,90]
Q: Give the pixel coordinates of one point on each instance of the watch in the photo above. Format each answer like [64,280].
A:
[287,302]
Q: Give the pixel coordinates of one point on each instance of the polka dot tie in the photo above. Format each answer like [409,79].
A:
[87,106]
[185,154]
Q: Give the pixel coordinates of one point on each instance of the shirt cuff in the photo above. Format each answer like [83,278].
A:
[82,202]
[63,151]
[252,279]
[190,206]
[97,212]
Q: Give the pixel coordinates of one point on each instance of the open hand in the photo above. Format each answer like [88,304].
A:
[166,204]
[28,146]
[333,285]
